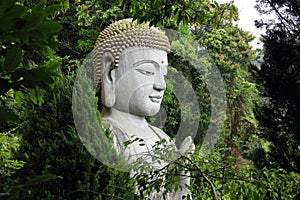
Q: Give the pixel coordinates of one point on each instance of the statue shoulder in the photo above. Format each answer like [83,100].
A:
[119,135]
[160,133]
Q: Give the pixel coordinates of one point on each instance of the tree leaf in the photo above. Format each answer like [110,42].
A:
[39,74]
[6,116]
[5,25]
[16,11]
[4,4]
[40,179]
[32,20]
[49,27]
[13,58]
[19,96]
[4,86]
[52,10]
[53,68]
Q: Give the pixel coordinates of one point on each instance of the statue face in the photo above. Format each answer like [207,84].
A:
[140,80]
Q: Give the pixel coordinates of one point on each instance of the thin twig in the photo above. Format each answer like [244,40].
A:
[231,178]
[215,196]
[281,18]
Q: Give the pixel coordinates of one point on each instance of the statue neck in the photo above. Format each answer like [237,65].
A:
[124,118]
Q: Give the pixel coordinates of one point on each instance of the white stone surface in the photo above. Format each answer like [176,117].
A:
[131,92]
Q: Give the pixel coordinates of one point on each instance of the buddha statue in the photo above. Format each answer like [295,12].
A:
[130,66]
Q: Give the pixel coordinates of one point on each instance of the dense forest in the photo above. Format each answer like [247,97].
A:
[257,156]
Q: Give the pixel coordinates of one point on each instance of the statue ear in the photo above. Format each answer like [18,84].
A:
[108,80]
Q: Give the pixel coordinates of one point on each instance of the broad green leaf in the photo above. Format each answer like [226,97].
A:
[32,75]
[19,96]
[49,27]
[39,74]
[39,7]
[13,58]
[5,25]
[33,96]
[10,38]
[4,4]
[52,68]
[6,116]
[40,179]
[27,84]
[36,34]
[17,74]
[4,86]
[32,20]
[17,11]
[52,10]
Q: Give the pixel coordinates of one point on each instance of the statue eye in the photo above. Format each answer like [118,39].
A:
[145,72]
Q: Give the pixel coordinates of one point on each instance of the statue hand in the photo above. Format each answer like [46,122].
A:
[187,146]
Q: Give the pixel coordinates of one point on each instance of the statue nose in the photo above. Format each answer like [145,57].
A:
[159,81]
[160,85]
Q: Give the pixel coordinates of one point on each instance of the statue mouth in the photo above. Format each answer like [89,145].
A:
[155,99]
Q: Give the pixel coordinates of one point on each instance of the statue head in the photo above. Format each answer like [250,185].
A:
[130,64]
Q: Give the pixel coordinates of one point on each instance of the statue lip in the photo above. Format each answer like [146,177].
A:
[156,98]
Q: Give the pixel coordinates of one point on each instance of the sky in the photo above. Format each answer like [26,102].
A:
[248,14]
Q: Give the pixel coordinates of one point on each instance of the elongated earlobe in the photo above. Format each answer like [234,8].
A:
[108,97]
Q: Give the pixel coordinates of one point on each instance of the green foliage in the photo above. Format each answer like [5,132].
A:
[119,184]
[230,49]
[50,145]
[27,62]
[245,183]
[58,166]
[9,144]
[82,24]
[279,77]
[219,174]
[181,112]
[164,13]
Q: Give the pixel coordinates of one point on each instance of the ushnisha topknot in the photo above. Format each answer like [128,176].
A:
[123,34]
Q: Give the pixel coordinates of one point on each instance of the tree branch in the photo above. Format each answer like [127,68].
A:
[281,18]
[215,196]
